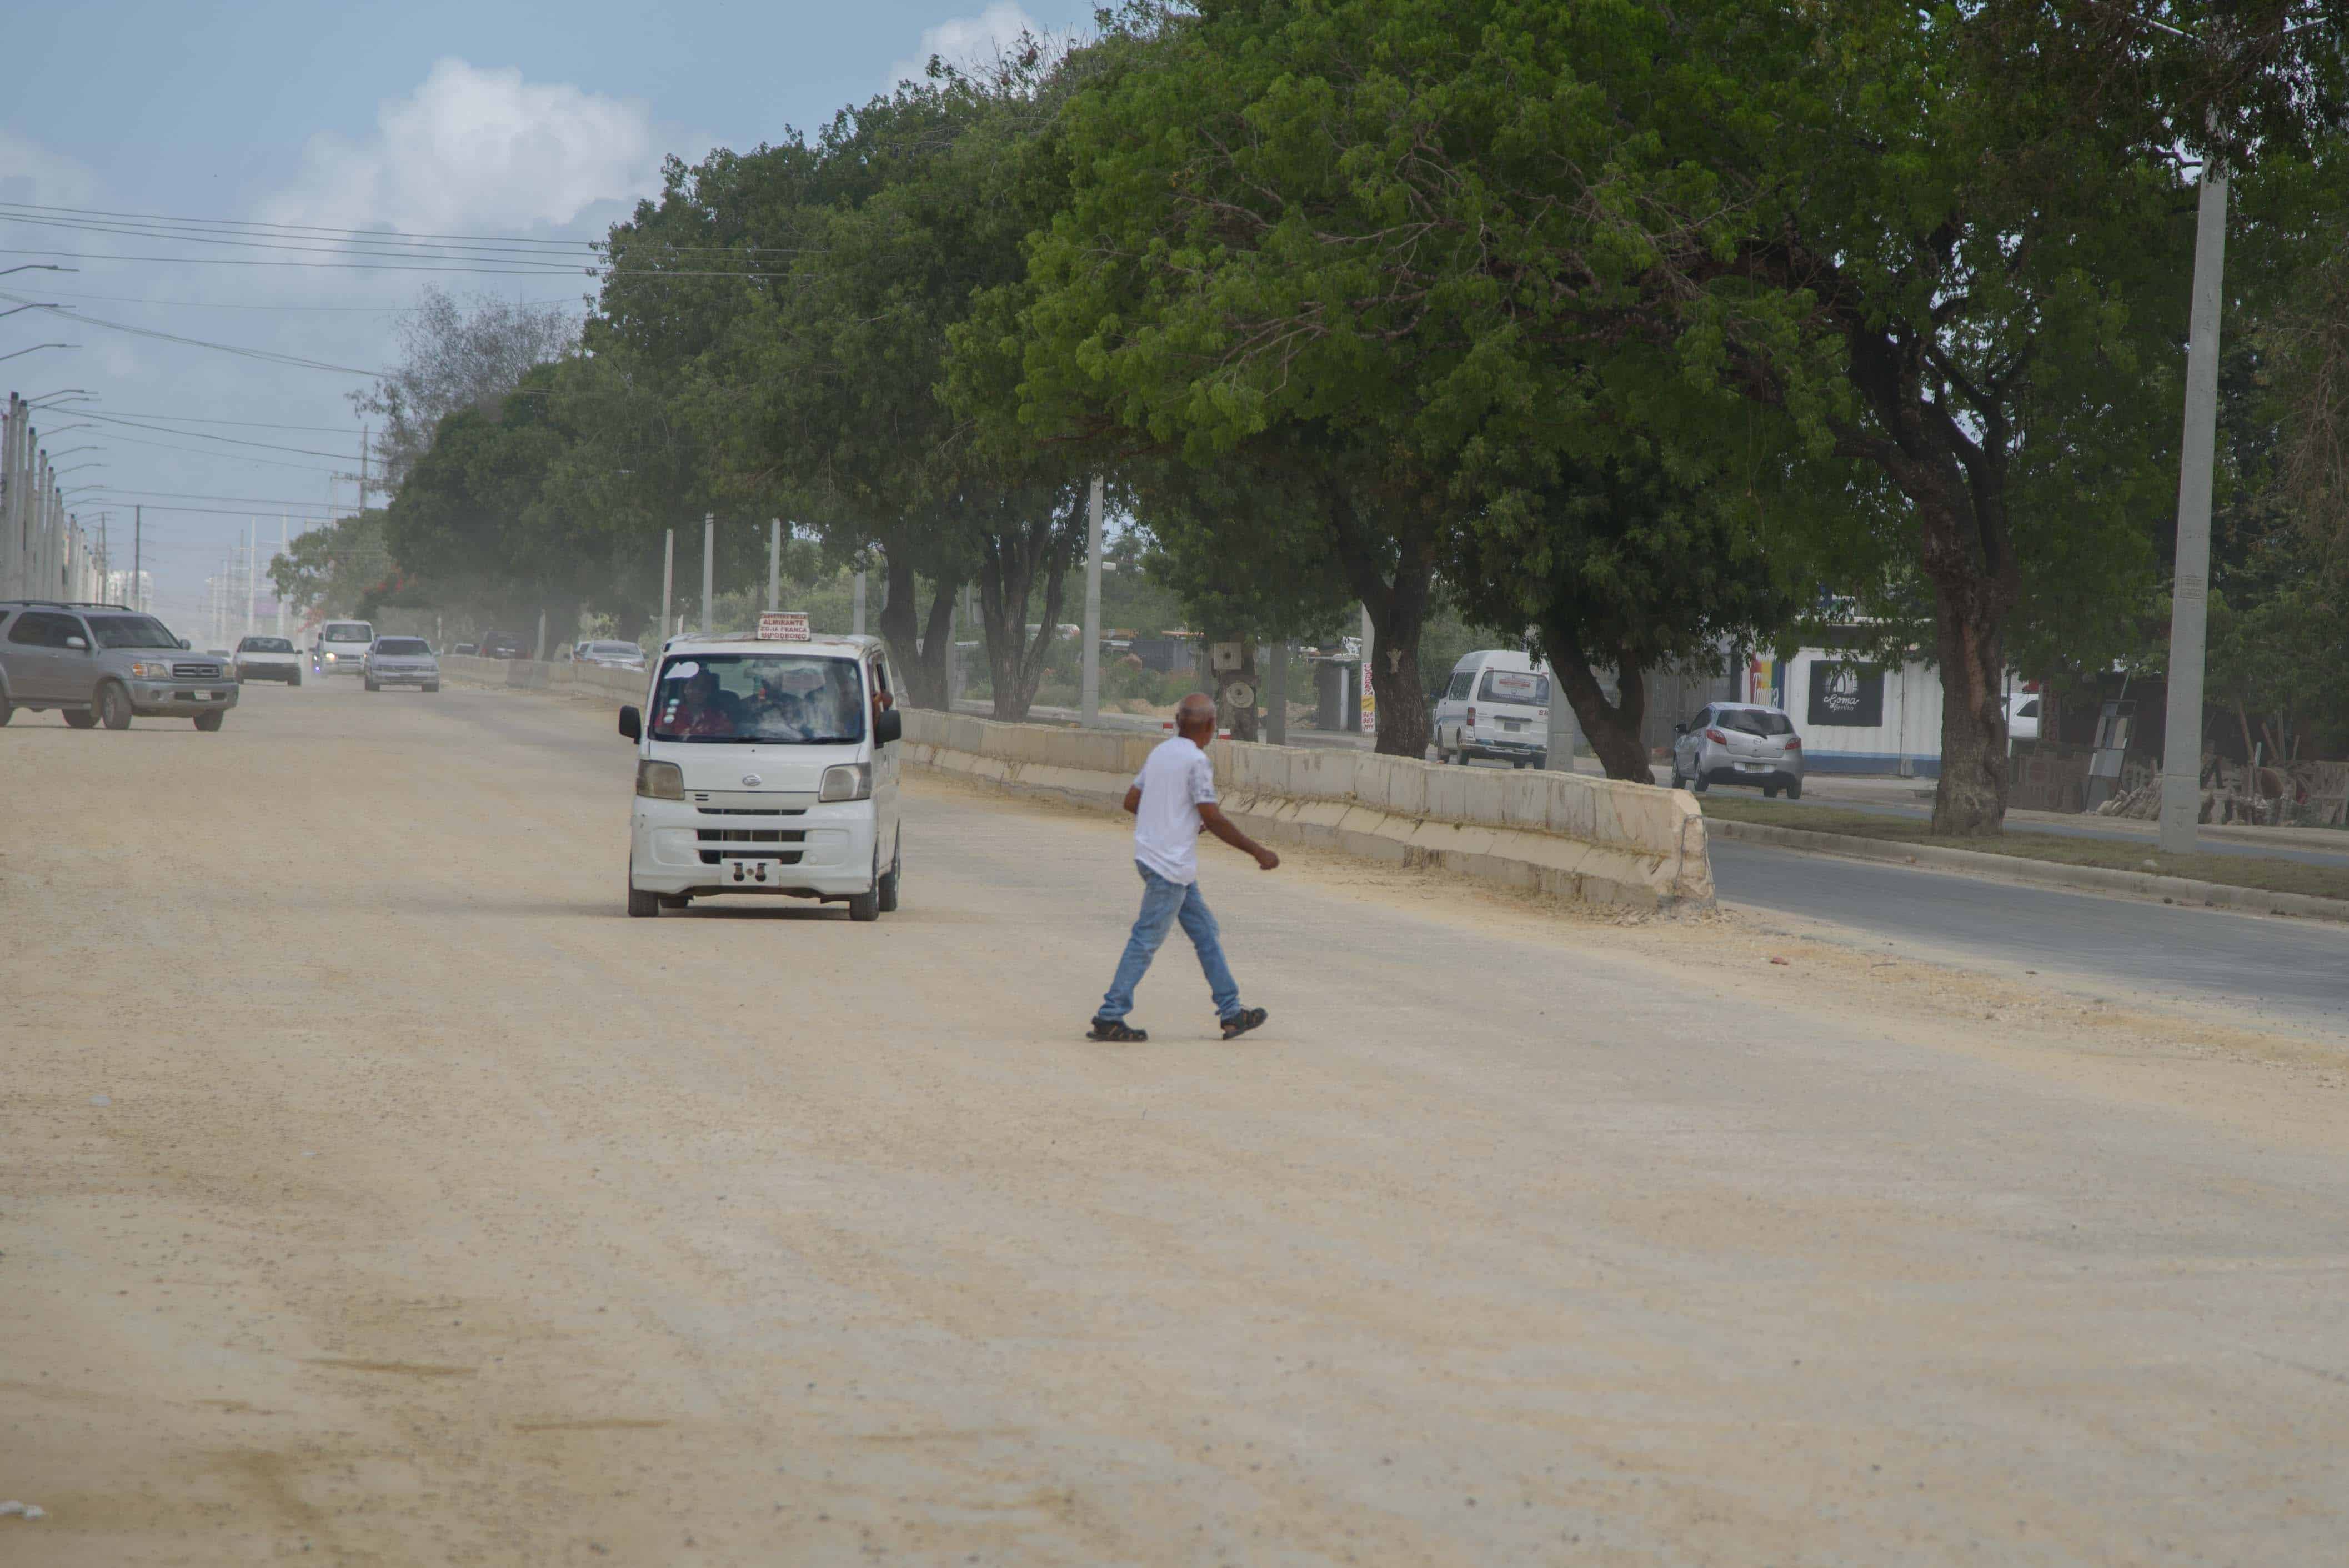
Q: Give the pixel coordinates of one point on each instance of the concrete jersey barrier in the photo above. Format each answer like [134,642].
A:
[627,685]
[1599,841]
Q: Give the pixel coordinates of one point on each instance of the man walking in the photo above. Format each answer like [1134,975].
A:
[1172,799]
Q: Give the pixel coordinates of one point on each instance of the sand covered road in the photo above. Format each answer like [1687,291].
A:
[372,1190]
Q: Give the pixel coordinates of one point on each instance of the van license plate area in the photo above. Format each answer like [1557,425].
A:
[1754,767]
[750,873]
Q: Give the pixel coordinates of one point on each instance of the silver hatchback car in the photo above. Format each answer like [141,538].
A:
[1739,743]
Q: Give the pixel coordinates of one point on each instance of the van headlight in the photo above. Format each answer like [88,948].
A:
[848,781]
[659,780]
[330,658]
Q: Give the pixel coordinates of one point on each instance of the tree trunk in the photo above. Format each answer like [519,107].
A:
[1010,564]
[1613,729]
[1969,799]
[1398,608]
[917,643]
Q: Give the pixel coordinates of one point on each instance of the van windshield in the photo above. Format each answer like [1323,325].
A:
[799,699]
[347,632]
[1526,686]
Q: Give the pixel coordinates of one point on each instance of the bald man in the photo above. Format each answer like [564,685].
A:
[1172,799]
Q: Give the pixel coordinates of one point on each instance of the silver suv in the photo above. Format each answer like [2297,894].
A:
[104,663]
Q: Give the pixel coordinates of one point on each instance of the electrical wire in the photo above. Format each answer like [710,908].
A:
[266,355]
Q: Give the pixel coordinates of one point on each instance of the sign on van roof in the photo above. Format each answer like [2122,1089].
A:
[783,626]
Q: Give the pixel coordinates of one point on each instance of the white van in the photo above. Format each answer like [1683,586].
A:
[767,766]
[341,648]
[1496,705]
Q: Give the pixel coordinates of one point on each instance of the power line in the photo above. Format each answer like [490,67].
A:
[207,436]
[507,272]
[242,225]
[268,356]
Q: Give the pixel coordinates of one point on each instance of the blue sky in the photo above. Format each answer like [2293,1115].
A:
[476,118]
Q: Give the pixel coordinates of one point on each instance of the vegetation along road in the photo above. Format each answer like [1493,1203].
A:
[376,1188]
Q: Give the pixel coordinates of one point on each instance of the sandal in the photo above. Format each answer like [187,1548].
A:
[1114,1031]
[1241,1022]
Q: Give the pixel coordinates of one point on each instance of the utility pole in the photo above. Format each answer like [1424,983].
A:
[138,551]
[1366,713]
[278,597]
[774,562]
[1088,657]
[252,574]
[856,605]
[669,585]
[2190,606]
[708,565]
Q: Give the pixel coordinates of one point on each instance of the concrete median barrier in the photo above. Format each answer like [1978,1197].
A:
[621,686]
[1593,840]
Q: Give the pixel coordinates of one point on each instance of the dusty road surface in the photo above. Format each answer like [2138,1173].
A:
[372,1190]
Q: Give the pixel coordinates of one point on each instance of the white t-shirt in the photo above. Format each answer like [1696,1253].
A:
[1174,783]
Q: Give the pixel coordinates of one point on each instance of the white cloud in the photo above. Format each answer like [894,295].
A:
[31,172]
[966,40]
[476,150]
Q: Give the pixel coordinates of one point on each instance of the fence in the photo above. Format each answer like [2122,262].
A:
[44,554]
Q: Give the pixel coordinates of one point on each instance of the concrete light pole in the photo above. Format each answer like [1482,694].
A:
[669,585]
[856,605]
[1089,687]
[774,562]
[708,565]
[2181,756]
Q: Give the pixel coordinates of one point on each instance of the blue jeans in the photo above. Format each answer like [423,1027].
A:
[1162,903]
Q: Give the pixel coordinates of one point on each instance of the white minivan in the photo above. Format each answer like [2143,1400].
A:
[769,766]
[341,648]
[1496,705]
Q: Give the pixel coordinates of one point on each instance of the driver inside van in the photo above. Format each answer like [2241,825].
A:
[704,709]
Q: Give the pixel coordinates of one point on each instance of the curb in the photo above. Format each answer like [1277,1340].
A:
[2043,873]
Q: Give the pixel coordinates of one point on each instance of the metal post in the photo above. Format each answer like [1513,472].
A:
[1089,681]
[668,583]
[856,605]
[1276,703]
[138,571]
[708,565]
[775,563]
[2181,756]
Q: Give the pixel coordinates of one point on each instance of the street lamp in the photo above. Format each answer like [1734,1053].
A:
[36,267]
[14,310]
[69,452]
[37,348]
[78,392]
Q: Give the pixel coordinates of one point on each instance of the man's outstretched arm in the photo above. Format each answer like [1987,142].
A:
[1132,799]
[1212,818]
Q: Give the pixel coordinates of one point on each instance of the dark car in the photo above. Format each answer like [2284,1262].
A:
[503,646]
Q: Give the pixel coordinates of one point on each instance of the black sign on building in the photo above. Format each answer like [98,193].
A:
[1847,695]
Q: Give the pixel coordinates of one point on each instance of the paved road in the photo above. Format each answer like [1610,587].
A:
[2123,948]
[376,1191]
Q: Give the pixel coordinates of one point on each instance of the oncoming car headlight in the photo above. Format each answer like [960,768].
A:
[659,780]
[330,658]
[145,671]
[848,781]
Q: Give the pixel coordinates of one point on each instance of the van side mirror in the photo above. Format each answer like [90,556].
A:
[632,724]
[888,725]
[1679,729]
